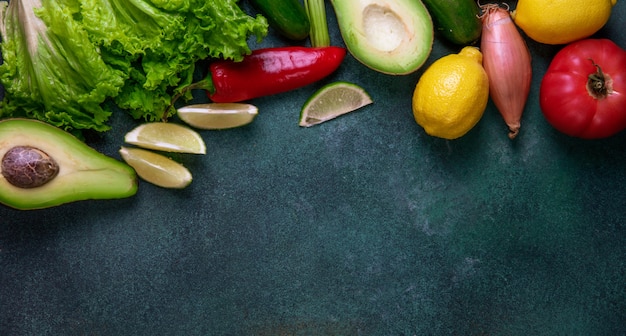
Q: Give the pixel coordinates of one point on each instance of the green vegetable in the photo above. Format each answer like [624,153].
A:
[456,20]
[394,37]
[288,17]
[44,166]
[66,60]
[316,10]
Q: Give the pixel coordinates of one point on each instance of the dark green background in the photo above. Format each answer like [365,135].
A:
[363,225]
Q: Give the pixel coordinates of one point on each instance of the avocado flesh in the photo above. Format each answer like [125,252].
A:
[84,173]
[393,37]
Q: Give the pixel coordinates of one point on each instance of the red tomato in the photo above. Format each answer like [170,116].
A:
[583,93]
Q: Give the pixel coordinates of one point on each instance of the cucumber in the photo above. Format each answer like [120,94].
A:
[288,17]
[456,20]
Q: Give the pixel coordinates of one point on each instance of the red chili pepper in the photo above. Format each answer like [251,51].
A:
[270,71]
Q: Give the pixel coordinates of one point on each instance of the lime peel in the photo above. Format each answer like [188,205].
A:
[216,116]
[156,168]
[333,100]
[168,137]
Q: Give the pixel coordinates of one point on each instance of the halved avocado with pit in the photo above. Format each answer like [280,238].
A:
[44,166]
[393,36]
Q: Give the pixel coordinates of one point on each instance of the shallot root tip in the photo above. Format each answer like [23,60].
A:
[513,132]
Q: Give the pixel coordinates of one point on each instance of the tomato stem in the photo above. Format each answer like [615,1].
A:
[597,83]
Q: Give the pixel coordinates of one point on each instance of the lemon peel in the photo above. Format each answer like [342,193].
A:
[451,95]
[561,21]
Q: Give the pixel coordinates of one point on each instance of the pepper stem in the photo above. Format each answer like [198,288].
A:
[204,84]
[598,83]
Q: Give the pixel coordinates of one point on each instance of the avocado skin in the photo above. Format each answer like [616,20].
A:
[409,56]
[456,20]
[84,173]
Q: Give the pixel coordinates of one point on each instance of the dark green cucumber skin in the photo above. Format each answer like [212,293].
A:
[288,17]
[456,20]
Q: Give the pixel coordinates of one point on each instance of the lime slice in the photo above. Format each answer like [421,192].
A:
[331,101]
[156,168]
[215,116]
[167,137]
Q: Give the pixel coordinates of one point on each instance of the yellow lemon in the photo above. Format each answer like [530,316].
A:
[451,96]
[561,21]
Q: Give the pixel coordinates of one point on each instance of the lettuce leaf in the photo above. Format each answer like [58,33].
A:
[66,60]
[51,71]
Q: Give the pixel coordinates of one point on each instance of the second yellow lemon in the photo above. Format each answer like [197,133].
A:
[561,21]
[451,96]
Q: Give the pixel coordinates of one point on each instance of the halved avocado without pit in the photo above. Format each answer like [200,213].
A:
[44,166]
[390,36]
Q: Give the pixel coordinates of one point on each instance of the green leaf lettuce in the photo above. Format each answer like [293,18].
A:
[64,61]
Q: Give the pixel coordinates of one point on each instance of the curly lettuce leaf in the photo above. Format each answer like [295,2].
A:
[138,53]
[51,70]
[208,29]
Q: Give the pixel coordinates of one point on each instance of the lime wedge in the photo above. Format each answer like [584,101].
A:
[215,116]
[331,101]
[156,168]
[167,137]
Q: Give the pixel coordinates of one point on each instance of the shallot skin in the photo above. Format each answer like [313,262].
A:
[507,61]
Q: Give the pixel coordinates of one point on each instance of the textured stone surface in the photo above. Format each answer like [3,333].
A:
[363,225]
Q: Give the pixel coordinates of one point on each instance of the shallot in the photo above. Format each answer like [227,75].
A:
[506,60]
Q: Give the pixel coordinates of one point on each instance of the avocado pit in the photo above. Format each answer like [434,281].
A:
[28,167]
